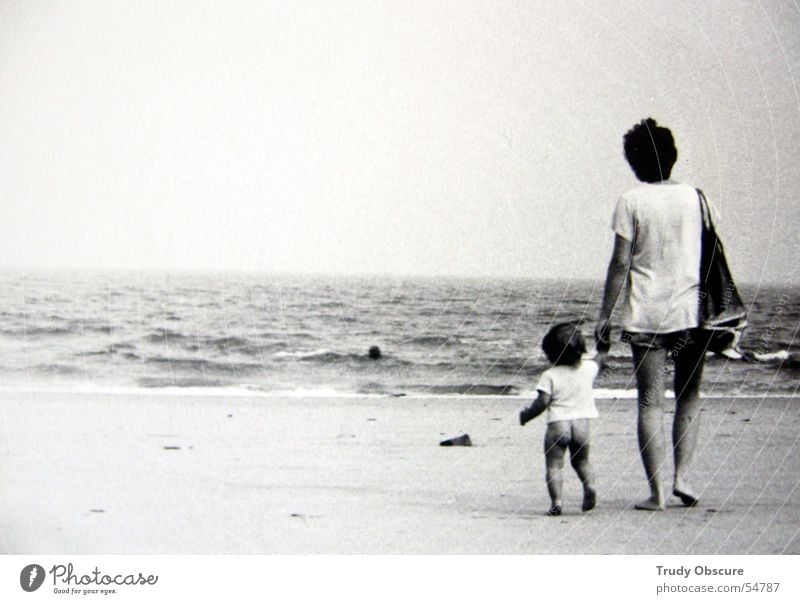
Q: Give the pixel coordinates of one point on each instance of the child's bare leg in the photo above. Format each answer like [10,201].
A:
[649,367]
[579,457]
[556,440]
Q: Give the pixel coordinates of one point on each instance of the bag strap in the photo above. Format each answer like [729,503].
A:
[705,211]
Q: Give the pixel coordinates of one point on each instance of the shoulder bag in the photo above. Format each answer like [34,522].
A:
[722,313]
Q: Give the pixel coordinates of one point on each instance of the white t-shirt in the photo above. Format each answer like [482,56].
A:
[664,223]
[570,389]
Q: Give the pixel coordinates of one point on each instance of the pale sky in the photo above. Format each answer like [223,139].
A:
[421,138]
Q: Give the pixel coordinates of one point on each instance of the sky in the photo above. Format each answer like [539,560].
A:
[402,138]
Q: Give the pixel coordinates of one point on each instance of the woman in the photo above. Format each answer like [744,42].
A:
[656,262]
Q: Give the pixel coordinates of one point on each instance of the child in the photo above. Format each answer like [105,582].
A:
[565,392]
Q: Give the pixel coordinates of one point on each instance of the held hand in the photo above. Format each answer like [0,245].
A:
[602,335]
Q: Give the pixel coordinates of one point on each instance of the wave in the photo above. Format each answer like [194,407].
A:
[518,365]
[377,389]
[72,328]
[36,331]
[780,359]
[160,336]
[227,342]
[57,369]
[436,341]
[90,326]
[120,349]
[196,365]
[469,389]
[182,382]
[297,354]
[288,335]
[466,389]
[323,355]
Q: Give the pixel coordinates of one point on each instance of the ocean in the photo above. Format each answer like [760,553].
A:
[307,335]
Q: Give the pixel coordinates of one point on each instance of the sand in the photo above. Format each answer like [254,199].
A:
[194,474]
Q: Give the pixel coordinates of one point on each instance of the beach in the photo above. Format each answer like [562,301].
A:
[189,473]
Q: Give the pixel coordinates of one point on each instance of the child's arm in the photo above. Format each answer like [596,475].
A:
[536,408]
[601,358]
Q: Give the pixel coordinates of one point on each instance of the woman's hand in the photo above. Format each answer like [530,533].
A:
[602,335]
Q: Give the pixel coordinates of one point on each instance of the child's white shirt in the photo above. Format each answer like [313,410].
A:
[570,390]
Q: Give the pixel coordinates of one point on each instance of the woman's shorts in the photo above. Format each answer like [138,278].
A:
[675,341]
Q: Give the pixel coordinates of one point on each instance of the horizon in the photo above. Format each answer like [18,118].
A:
[120,271]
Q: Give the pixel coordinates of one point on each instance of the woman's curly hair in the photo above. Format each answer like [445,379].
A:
[650,151]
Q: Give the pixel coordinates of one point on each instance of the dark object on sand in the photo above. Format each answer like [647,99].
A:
[458,441]
[374,352]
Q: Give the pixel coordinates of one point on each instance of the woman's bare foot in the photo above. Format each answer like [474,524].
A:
[687,497]
[649,505]
[589,500]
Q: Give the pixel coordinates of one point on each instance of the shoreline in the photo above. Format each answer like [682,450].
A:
[154,474]
[236,392]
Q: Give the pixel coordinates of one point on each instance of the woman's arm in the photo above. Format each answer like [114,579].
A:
[615,282]
[616,276]
[536,409]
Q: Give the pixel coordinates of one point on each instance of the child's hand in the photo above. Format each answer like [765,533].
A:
[525,416]
[535,409]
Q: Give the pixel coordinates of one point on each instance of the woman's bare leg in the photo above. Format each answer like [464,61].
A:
[649,367]
[686,425]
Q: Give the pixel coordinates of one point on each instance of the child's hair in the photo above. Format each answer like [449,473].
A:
[650,151]
[564,344]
